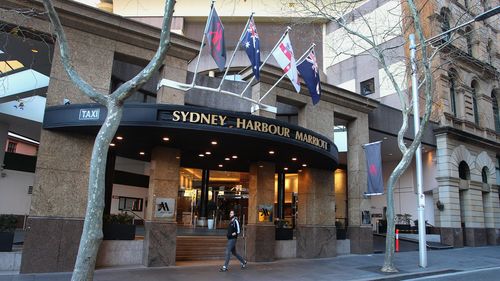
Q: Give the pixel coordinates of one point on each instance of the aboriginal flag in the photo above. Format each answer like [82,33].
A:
[215,37]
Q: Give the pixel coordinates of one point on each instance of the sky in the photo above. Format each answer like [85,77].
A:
[88,2]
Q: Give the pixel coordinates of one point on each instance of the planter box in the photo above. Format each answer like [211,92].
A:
[284,234]
[6,241]
[118,231]
[341,233]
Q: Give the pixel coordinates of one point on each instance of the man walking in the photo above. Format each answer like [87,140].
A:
[233,229]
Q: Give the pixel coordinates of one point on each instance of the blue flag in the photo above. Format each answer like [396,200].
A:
[215,37]
[251,43]
[308,69]
[374,169]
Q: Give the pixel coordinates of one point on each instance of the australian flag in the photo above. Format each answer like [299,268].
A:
[251,43]
[308,69]
[215,37]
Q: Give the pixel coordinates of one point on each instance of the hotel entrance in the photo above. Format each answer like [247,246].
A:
[206,197]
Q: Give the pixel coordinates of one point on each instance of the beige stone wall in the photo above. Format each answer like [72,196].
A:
[316,198]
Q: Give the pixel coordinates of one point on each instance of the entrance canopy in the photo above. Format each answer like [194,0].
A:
[208,138]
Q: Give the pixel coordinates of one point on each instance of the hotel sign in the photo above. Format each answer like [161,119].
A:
[246,123]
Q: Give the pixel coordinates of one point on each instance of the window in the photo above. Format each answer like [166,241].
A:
[453,104]
[474,102]
[445,22]
[11,147]
[463,171]
[489,51]
[484,174]
[468,38]
[130,204]
[367,87]
[496,113]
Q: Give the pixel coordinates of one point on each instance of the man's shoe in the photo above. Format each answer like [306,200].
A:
[223,269]
[244,265]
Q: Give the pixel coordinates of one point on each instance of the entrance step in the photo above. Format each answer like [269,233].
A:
[191,248]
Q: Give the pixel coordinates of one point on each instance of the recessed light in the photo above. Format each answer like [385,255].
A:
[234,157]
[385,138]
[300,171]
[208,153]
[261,166]
[214,143]
[166,139]
[201,155]
[142,153]
[271,151]
[119,138]
[177,157]
[390,154]
[34,50]
[286,169]
[112,144]
[227,159]
[220,165]
[304,165]
[294,159]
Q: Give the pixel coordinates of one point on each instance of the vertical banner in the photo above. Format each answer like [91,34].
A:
[215,36]
[374,168]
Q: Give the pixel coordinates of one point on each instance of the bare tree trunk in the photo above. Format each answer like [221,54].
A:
[92,227]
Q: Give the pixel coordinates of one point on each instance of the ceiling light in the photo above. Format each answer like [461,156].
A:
[201,155]
[227,159]
[300,171]
[286,169]
[294,159]
[112,144]
[385,138]
[304,165]
[390,154]
[166,139]
[214,143]
[234,157]
[142,153]
[208,153]
[220,165]
[119,138]
[271,151]
[34,50]
[261,166]
[177,157]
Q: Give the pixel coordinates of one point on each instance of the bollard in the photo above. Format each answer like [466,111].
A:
[397,240]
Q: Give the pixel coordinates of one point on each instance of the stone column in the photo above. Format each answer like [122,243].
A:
[160,236]
[175,69]
[491,207]
[448,219]
[316,233]
[59,197]
[258,90]
[472,201]
[361,236]
[260,234]
[280,214]
[205,179]
[4,132]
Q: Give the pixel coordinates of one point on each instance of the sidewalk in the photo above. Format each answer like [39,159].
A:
[352,267]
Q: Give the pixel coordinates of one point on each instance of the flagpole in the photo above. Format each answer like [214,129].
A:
[288,28]
[202,42]
[284,74]
[234,52]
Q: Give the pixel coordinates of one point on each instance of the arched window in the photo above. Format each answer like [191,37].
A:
[496,113]
[453,104]
[474,101]
[468,38]
[484,174]
[445,22]
[463,171]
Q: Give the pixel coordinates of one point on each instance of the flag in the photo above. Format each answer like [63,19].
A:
[215,37]
[284,56]
[374,168]
[251,42]
[308,69]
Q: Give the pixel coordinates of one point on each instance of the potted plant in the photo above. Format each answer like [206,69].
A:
[211,208]
[403,222]
[7,229]
[118,227]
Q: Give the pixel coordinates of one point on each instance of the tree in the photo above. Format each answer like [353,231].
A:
[92,228]
[364,36]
